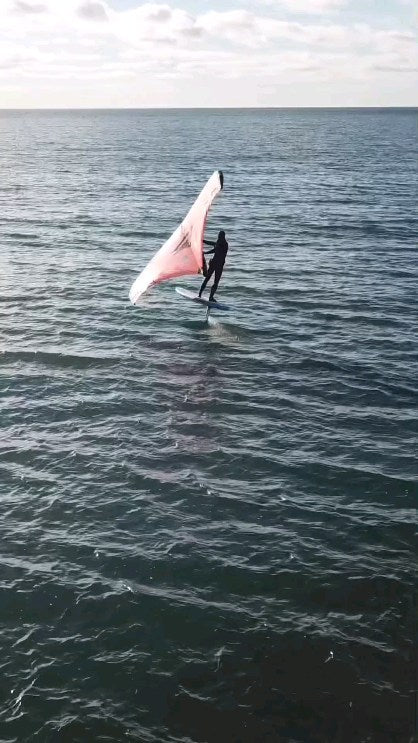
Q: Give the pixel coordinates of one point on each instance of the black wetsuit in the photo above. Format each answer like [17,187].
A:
[216,264]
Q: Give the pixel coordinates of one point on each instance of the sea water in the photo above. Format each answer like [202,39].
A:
[207,528]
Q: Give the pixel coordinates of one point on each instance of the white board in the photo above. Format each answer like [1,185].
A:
[195,298]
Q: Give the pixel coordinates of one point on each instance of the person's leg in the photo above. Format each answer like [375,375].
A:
[209,273]
[218,274]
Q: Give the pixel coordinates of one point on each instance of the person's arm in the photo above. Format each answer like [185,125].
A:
[208,252]
[209,242]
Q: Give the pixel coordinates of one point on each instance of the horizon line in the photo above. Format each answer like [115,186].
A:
[205,108]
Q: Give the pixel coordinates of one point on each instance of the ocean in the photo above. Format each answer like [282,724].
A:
[207,528]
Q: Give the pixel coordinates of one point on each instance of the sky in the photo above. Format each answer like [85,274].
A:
[128,54]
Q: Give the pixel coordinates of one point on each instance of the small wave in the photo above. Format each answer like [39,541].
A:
[54,359]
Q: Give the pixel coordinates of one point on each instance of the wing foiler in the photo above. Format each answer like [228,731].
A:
[182,253]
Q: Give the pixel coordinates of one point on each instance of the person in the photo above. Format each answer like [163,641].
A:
[216,264]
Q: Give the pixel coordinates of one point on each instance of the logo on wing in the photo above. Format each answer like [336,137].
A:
[184,243]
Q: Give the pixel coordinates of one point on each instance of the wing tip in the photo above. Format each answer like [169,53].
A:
[134,294]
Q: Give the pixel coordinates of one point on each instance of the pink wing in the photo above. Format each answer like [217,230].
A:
[182,254]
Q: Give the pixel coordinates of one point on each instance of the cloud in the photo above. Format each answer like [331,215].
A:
[307,7]
[395,68]
[21,6]
[153,22]
[17,56]
[158,14]
[248,29]
[92,11]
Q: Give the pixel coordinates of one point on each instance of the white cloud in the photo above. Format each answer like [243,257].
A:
[154,22]
[92,11]
[23,6]
[307,7]
[248,29]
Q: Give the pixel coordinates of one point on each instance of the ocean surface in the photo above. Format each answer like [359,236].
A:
[207,528]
